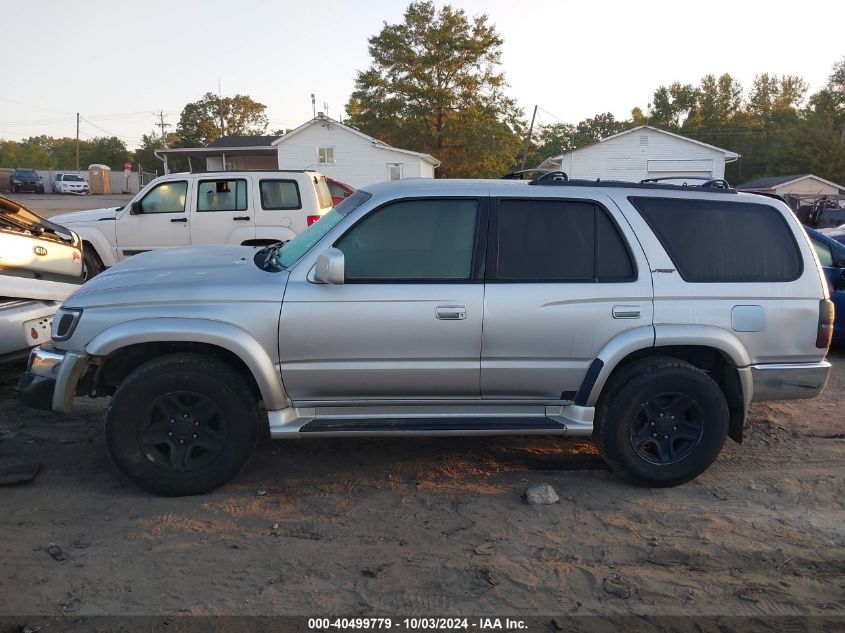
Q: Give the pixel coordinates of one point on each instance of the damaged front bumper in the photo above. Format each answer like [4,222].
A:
[51,377]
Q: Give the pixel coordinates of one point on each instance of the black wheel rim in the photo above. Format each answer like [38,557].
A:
[667,428]
[183,431]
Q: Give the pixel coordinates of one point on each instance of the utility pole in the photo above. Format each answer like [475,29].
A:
[528,139]
[161,124]
[220,108]
[77,141]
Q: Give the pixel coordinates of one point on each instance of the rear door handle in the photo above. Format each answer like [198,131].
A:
[240,217]
[626,312]
[178,219]
[451,313]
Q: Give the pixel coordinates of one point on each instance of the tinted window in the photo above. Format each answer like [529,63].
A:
[823,251]
[412,240]
[280,194]
[555,240]
[221,195]
[723,241]
[168,197]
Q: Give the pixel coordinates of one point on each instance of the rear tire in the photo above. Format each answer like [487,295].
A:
[661,422]
[182,424]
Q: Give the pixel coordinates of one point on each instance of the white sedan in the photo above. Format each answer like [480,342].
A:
[70,183]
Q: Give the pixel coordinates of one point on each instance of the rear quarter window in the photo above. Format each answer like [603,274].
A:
[716,241]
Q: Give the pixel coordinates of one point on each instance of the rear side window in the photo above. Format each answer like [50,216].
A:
[278,195]
[221,195]
[823,251]
[558,240]
[712,241]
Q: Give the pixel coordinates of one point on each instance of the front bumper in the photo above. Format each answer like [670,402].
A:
[50,379]
[792,381]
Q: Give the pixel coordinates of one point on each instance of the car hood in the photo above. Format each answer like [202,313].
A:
[191,275]
[92,215]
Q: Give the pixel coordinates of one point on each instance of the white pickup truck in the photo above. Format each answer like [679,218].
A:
[40,266]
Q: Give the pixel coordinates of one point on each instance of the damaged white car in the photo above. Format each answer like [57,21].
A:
[40,266]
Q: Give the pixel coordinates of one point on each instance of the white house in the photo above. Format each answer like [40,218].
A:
[347,154]
[796,184]
[323,144]
[643,152]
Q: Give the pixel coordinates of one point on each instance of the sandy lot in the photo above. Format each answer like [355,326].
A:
[49,204]
[429,526]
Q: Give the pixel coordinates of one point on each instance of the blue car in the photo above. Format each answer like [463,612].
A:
[832,257]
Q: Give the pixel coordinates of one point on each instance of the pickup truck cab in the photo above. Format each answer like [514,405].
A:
[639,314]
[230,207]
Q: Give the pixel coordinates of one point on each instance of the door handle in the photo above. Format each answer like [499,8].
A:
[451,313]
[240,217]
[178,219]
[626,312]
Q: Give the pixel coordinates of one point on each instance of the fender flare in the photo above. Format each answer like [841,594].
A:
[219,333]
[101,244]
[618,348]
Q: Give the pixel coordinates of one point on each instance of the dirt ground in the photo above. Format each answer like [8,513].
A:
[49,204]
[429,526]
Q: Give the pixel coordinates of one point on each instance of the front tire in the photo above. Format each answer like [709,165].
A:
[92,265]
[661,422]
[182,424]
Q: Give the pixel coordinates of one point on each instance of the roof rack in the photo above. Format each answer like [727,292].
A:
[559,178]
[706,182]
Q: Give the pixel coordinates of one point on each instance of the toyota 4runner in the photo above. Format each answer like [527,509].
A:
[640,314]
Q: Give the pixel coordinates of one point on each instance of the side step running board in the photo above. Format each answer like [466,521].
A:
[433,425]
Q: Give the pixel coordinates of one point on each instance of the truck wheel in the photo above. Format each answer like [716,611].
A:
[661,422]
[91,263]
[182,424]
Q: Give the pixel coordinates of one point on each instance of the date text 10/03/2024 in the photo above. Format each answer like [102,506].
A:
[418,624]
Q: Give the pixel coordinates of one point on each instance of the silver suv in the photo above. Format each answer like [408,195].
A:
[646,315]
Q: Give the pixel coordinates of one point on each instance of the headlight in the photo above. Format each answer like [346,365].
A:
[64,323]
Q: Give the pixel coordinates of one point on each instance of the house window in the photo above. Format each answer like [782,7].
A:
[394,171]
[325,155]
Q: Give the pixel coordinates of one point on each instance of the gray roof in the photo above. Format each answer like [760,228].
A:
[771,181]
[243,141]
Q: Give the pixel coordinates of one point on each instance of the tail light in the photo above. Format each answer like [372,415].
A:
[313,218]
[824,335]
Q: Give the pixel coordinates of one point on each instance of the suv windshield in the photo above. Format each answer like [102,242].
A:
[293,250]
[25,174]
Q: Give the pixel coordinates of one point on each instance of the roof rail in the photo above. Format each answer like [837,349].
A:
[713,185]
[706,181]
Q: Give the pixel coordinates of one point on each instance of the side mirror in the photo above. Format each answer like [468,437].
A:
[329,268]
[839,263]
[136,208]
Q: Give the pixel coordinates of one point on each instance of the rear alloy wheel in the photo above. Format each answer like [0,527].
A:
[182,424]
[661,422]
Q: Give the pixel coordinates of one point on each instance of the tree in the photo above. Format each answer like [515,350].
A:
[199,123]
[434,85]
[598,127]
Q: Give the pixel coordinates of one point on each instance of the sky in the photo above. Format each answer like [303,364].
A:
[116,63]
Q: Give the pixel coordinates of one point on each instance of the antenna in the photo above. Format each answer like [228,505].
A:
[326,108]
[220,108]
[313,106]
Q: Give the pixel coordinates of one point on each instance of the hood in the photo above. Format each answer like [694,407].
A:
[93,215]
[195,274]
